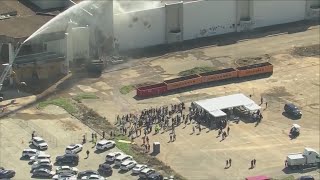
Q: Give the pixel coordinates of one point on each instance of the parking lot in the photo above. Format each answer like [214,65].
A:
[295,79]
[59,129]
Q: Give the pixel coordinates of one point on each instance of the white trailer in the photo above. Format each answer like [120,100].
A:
[308,158]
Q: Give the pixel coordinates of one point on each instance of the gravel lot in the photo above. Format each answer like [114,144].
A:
[58,128]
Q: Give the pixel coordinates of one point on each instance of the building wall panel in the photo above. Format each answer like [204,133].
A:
[208,18]
[57,46]
[272,12]
[139,29]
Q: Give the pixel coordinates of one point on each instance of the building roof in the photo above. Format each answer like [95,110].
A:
[215,105]
[19,27]
[6,10]
[24,23]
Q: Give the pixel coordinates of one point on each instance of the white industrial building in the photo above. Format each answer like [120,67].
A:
[92,28]
[128,25]
[190,20]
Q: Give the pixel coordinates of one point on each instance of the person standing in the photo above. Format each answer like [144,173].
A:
[92,136]
[143,140]
[103,134]
[266,105]
[261,100]
[170,138]
[251,164]
[230,162]
[33,134]
[84,139]
[88,152]
[147,138]
[254,162]
[228,129]
[193,129]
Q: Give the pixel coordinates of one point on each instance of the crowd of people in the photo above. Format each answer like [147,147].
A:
[167,118]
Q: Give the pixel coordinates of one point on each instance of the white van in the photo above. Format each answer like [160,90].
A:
[121,159]
[39,157]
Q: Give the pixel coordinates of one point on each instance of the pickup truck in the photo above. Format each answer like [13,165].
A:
[309,158]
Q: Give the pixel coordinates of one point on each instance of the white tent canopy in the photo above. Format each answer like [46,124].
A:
[217,113]
[252,107]
[215,105]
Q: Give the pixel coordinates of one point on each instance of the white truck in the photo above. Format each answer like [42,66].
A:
[309,158]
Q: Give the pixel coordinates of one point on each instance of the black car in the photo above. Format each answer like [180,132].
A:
[155,176]
[68,159]
[42,173]
[306,178]
[86,173]
[292,110]
[6,174]
[105,169]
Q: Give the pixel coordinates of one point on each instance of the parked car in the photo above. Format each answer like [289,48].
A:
[39,157]
[43,173]
[146,172]
[258,178]
[64,176]
[112,156]
[7,174]
[105,169]
[121,159]
[73,149]
[68,159]
[306,178]
[127,165]
[66,170]
[292,110]
[94,176]
[87,173]
[43,166]
[155,176]
[105,144]
[39,143]
[138,168]
[42,162]
[27,153]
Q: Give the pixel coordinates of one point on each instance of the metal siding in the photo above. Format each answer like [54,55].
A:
[272,12]
[208,18]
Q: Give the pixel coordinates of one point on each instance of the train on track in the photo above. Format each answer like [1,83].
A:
[207,77]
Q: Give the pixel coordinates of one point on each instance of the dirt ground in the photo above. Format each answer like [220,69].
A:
[295,79]
[58,128]
[202,157]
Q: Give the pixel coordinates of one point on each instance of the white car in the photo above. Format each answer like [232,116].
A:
[94,176]
[121,159]
[138,168]
[127,165]
[41,162]
[64,176]
[73,149]
[112,156]
[39,157]
[105,144]
[27,153]
[66,170]
[39,143]
[145,172]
